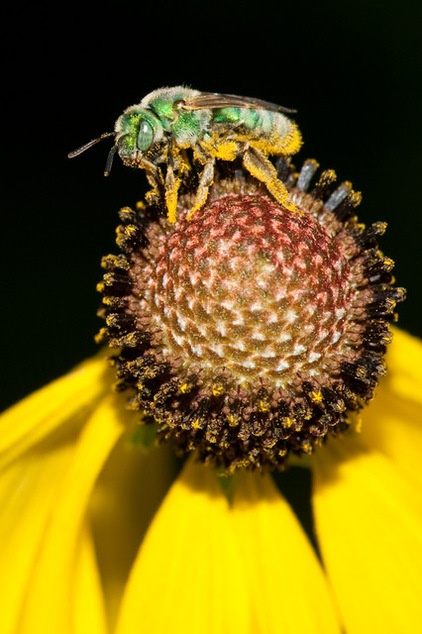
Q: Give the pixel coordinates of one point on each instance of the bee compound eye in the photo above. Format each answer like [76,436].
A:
[145,135]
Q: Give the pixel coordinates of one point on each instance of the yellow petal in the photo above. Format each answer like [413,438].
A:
[369,527]
[209,567]
[88,608]
[27,493]
[404,361]
[126,497]
[392,423]
[50,600]
[289,590]
[186,578]
[66,400]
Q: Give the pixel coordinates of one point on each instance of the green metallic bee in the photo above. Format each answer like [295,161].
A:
[168,122]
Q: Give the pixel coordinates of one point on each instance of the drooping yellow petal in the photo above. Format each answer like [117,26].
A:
[27,495]
[88,602]
[50,600]
[186,578]
[209,567]
[64,401]
[369,526]
[392,423]
[126,497]
[404,360]
[288,590]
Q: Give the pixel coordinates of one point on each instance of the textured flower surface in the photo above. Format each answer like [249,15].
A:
[277,357]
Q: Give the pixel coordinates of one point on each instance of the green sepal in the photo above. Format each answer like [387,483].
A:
[227,484]
[144,436]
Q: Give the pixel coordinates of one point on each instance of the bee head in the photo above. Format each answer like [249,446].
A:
[136,130]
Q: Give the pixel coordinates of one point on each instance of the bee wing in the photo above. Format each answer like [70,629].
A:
[216,100]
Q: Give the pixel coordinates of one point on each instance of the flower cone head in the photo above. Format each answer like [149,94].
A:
[248,331]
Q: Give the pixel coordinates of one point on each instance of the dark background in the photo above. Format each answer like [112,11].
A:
[352,70]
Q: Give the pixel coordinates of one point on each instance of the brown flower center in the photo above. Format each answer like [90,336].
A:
[249,331]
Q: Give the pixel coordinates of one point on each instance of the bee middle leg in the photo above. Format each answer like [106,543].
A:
[261,168]
[171,193]
[177,168]
[205,182]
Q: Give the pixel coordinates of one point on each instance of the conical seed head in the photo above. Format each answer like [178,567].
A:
[250,332]
[251,288]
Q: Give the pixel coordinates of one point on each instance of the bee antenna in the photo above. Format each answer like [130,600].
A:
[85,147]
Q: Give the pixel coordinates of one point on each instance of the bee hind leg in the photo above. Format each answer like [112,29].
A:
[261,168]
[205,182]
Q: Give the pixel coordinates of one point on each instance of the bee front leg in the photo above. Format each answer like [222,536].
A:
[205,182]
[155,178]
[261,168]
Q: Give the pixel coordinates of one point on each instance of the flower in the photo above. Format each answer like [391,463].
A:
[103,531]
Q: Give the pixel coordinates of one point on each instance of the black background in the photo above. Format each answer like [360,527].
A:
[352,70]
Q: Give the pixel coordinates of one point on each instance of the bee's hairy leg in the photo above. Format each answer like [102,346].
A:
[177,168]
[261,168]
[155,179]
[205,182]
[172,185]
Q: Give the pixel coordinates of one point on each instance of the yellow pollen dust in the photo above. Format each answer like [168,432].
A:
[233,420]
[264,406]
[316,396]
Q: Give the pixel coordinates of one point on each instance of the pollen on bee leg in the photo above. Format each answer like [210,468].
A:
[261,168]
[205,182]
[171,198]
[282,195]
